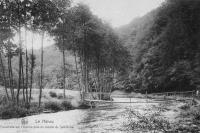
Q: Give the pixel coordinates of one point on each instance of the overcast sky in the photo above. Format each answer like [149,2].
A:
[120,12]
[115,12]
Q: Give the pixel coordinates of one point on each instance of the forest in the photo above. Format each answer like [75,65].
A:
[164,45]
[158,52]
[141,77]
[99,56]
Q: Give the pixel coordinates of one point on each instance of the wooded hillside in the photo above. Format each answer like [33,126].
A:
[165,47]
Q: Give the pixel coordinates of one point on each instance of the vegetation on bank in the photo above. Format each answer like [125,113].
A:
[99,56]
[179,116]
[165,48]
[50,104]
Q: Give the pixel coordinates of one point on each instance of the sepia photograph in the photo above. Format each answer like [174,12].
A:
[99,66]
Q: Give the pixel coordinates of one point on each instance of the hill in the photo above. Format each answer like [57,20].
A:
[165,47]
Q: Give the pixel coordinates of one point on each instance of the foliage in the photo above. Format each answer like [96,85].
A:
[147,122]
[52,94]
[53,106]
[11,110]
[165,47]
[99,50]
[66,105]
[83,105]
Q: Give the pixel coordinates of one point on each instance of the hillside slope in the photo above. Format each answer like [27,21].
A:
[165,47]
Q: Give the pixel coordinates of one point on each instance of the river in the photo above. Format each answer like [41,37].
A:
[106,119]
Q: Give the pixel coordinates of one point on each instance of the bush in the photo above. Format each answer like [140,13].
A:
[52,94]
[3,100]
[185,107]
[196,116]
[60,96]
[13,111]
[83,105]
[147,122]
[52,106]
[66,105]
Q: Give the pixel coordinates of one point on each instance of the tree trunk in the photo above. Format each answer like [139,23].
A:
[77,70]
[12,83]
[26,86]
[9,72]
[82,86]
[32,65]
[41,70]
[10,65]
[82,73]
[63,52]
[23,86]
[4,75]
[20,52]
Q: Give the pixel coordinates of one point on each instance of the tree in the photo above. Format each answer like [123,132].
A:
[62,31]
[45,15]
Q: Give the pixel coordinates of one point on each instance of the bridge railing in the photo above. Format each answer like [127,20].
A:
[184,93]
[109,96]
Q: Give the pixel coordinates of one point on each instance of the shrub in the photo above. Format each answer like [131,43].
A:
[185,107]
[13,111]
[147,122]
[52,106]
[66,105]
[196,116]
[52,94]
[83,105]
[3,100]
[60,96]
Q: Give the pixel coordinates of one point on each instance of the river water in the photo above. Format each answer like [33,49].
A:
[104,119]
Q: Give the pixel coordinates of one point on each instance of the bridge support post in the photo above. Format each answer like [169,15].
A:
[146,97]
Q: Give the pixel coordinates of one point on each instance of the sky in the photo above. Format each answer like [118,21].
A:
[114,12]
[120,12]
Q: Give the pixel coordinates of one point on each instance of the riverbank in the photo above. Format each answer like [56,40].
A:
[183,115]
[52,101]
[108,118]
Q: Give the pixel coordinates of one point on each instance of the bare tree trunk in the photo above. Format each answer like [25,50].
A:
[19,79]
[23,86]
[82,73]
[26,86]
[41,71]
[32,65]
[20,52]
[113,76]
[10,65]
[12,83]
[82,86]
[77,70]
[98,79]
[4,76]
[9,74]
[63,52]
